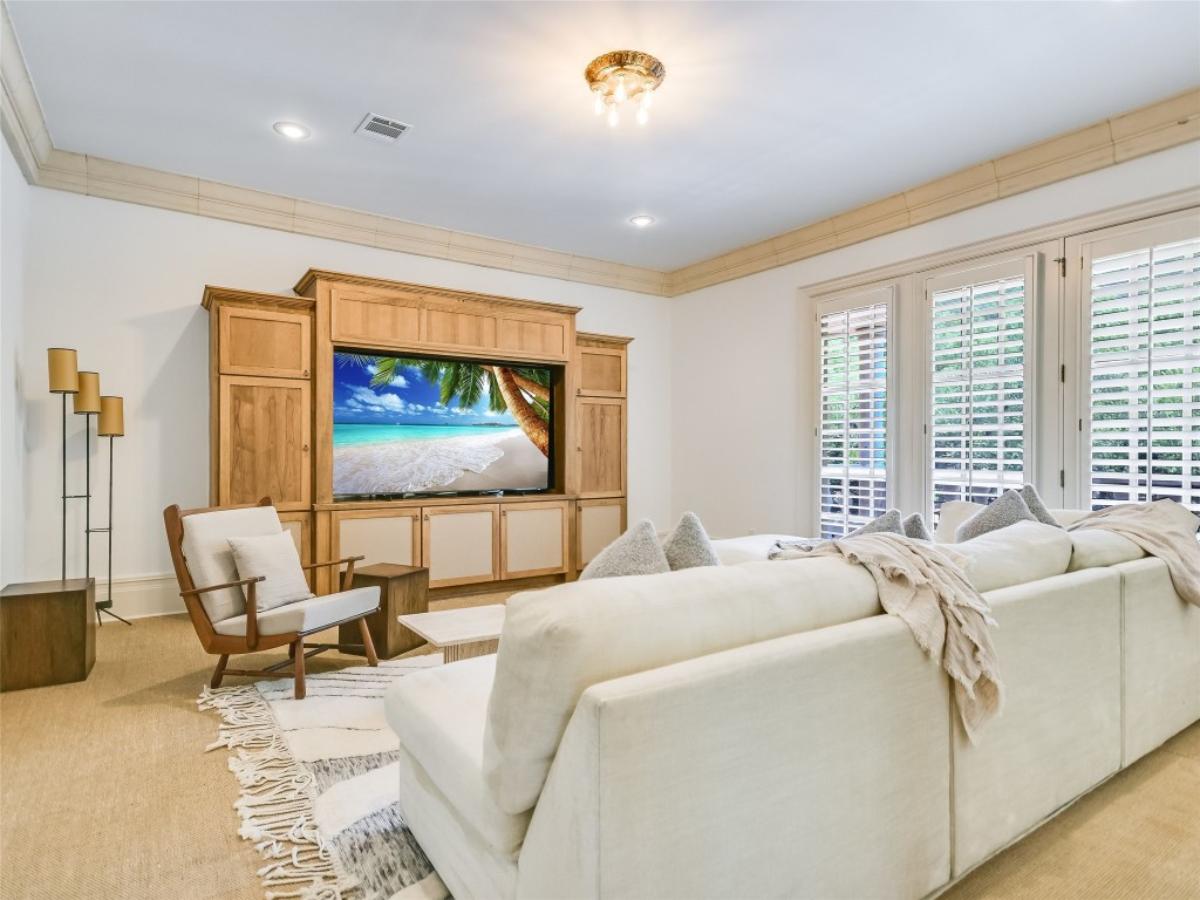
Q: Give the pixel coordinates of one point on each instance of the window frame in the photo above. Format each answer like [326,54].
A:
[1080,251]
[887,294]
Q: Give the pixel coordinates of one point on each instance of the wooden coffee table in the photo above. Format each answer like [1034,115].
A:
[459,633]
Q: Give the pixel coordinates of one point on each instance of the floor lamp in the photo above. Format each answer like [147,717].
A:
[87,404]
[64,379]
[111,425]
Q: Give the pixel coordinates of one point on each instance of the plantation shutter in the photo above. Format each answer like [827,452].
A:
[1143,340]
[977,424]
[854,411]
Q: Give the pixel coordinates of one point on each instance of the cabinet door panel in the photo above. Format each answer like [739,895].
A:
[459,543]
[460,329]
[381,537]
[599,523]
[383,321]
[264,441]
[264,342]
[533,539]
[299,526]
[601,372]
[601,447]
[531,338]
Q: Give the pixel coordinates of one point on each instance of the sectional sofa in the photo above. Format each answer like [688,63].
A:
[762,730]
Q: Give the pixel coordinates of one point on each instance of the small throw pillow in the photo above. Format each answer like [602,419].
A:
[636,552]
[1007,509]
[889,521]
[688,546]
[275,557]
[914,527]
[1034,501]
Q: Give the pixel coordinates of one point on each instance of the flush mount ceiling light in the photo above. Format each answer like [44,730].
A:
[642,221]
[293,131]
[620,76]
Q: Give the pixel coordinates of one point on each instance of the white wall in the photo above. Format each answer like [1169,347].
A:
[742,411]
[14,225]
[122,283]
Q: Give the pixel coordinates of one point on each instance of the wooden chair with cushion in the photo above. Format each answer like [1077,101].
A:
[224,607]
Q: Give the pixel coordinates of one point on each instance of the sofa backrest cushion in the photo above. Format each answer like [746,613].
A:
[210,558]
[750,547]
[1093,547]
[558,642]
[1024,552]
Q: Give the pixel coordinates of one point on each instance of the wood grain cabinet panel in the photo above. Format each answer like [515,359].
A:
[531,338]
[601,372]
[533,539]
[265,342]
[264,434]
[600,444]
[379,320]
[452,328]
[381,535]
[597,524]
[459,543]
[299,525]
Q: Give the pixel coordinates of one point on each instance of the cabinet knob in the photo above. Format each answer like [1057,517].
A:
[305,448]
[305,373]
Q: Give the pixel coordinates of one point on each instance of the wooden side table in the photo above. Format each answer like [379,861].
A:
[47,633]
[402,589]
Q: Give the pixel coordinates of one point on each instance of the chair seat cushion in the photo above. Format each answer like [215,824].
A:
[440,715]
[308,615]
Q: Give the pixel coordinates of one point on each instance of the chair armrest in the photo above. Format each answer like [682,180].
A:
[333,562]
[347,576]
[218,587]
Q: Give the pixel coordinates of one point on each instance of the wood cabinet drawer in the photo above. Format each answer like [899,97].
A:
[265,342]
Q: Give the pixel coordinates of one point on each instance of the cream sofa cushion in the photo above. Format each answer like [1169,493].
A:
[749,548]
[1018,554]
[439,715]
[307,615]
[558,642]
[273,557]
[210,559]
[1093,548]
[950,515]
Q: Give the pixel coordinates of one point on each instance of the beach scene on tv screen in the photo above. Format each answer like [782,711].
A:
[410,425]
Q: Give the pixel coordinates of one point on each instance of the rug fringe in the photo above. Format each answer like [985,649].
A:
[276,802]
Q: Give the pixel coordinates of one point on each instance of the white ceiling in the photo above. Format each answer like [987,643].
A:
[772,115]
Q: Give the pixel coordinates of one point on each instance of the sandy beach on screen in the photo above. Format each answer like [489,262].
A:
[505,459]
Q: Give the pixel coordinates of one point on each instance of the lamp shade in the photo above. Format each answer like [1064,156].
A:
[64,371]
[87,400]
[112,417]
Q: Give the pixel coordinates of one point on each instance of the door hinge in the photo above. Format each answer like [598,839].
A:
[1062,265]
[1062,478]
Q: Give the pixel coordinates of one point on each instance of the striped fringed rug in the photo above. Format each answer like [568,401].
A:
[320,785]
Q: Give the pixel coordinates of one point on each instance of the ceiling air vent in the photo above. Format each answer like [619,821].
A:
[381,128]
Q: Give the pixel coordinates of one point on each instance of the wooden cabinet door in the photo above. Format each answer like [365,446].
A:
[299,525]
[264,446]
[459,543]
[380,535]
[533,539]
[597,524]
[600,443]
[601,372]
[265,342]
[382,320]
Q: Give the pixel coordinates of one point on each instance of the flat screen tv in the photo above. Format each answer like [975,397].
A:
[410,426]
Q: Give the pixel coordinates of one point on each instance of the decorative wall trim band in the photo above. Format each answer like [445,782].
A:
[1159,126]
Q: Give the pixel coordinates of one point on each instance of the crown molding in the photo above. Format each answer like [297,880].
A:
[1158,126]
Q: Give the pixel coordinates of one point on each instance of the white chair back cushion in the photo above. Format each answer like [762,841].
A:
[209,558]
[558,642]
[274,557]
[1024,552]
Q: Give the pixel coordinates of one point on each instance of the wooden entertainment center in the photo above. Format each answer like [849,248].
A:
[271,419]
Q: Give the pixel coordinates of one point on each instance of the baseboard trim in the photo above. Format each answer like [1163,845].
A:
[142,596]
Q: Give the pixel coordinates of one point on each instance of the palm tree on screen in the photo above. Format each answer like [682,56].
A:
[522,392]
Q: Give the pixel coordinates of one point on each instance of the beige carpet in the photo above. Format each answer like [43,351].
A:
[105,791]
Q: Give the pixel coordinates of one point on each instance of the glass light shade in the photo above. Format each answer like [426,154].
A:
[64,371]
[87,399]
[112,417]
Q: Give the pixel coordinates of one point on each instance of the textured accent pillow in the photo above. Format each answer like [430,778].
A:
[889,521]
[914,527]
[1034,501]
[636,552]
[688,546]
[273,556]
[1007,509]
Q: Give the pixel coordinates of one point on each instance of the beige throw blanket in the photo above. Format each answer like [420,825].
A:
[1164,529]
[924,585]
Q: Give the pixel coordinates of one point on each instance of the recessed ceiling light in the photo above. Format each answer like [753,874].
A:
[642,221]
[293,131]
